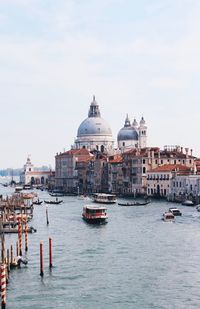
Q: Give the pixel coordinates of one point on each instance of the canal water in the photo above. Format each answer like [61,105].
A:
[134,261]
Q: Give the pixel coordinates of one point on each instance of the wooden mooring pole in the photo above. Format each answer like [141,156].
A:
[20,236]
[26,235]
[2,248]
[41,260]
[50,253]
[3,286]
[47,217]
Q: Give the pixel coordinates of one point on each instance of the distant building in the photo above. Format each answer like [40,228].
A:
[66,173]
[159,179]
[32,176]
[184,187]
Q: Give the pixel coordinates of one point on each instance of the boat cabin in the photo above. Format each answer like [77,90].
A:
[104,198]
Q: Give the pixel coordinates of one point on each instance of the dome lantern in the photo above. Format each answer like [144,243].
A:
[127,122]
[94,109]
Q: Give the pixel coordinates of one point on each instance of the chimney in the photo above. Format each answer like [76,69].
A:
[186,151]
[181,149]
[191,151]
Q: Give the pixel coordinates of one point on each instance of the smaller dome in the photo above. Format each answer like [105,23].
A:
[128,132]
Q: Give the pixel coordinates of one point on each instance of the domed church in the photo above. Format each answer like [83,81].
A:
[94,133]
[132,136]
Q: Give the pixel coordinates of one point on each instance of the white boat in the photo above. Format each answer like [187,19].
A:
[94,214]
[188,203]
[18,189]
[104,198]
[175,211]
[168,217]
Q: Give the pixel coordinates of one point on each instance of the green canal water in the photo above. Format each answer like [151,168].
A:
[134,261]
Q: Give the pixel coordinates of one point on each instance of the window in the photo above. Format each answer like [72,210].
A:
[144,170]
[143,161]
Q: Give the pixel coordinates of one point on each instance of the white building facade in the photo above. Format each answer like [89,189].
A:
[30,176]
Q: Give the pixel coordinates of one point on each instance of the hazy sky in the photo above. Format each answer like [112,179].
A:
[137,57]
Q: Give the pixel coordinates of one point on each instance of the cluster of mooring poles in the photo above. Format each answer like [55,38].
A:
[8,260]
[42,257]
[15,213]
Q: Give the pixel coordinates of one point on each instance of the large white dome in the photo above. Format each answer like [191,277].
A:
[94,132]
[94,126]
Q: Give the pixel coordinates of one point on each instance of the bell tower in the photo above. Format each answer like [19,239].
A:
[28,167]
[142,133]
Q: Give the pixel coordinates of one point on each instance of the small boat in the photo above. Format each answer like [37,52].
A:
[56,194]
[53,202]
[134,204]
[188,203]
[27,187]
[175,211]
[18,189]
[37,202]
[14,230]
[94,214]
[104,198]
[168,217]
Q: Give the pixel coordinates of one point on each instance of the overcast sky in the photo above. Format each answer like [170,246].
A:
[137,57]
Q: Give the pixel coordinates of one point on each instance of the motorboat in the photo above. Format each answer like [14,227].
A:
[56,202]
[18,189]
[168,217]
[94,214]
[104,198]
[56,194]
[175,211]
[188,203]
[134,203]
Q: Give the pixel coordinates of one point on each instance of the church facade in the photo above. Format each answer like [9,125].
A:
[30,176]
[94,133]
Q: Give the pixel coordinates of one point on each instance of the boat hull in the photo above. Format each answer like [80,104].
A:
[104,202]
[95,220]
